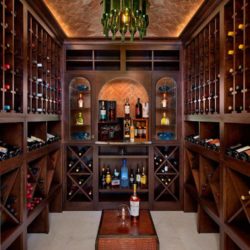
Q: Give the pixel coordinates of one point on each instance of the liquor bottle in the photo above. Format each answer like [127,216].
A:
[126,128]
[165,119]
[103,112]
[80,101]
[131,177]
[124,174]
[134,205]
[145,110]
[127,108]
[143,178]
[164,101]
[138,176]
[132,132]
[79,119]
[108,177]
[103,178]
[138,109]
[115,179]
[111,114]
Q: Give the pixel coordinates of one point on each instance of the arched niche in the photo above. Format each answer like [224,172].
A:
[119,89]
[80,86]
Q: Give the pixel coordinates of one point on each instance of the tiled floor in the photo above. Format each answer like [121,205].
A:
[77,231]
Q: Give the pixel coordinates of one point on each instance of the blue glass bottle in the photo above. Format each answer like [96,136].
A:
[124,174]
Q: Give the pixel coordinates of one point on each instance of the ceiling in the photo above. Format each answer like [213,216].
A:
[82,18]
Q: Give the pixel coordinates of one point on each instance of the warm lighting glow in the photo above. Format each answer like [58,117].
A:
[124,16]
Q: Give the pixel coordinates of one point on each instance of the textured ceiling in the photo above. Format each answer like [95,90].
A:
[82,18]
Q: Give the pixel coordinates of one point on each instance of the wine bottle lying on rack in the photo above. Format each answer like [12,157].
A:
[8,151]
[239,151]
[52,138]
[34,143]
[193,138]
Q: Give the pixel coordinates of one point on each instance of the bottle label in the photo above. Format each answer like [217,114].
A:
[243,149]
[80,103]
[134,208]
[127,109]
[103,114]
[144,180]
[164,103]
[138,178]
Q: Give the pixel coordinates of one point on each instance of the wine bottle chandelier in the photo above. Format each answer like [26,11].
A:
[125,16]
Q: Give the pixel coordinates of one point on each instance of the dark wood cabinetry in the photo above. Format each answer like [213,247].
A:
[152,74]
[30,104]
[216,179]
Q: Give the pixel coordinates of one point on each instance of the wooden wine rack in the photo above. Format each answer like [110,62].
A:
[202,73]
[79,177]
[44,79]
[217,49]
[11,57]
[167,183]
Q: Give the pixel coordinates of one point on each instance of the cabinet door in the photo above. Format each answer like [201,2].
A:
[165,109]
[80,109]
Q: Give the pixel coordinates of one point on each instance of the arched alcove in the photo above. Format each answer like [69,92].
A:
[119,89]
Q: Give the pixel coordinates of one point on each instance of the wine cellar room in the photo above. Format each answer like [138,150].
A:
[125,124]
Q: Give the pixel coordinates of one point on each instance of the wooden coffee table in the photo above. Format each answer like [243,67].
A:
[115,235]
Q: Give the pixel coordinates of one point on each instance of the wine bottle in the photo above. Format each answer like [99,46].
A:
[134,205]
[214,144]
[71,163]
[72,190]
[245,155]
[245,197]
[131,177]
[239,109]
[124,174]
[145,110]
[230,151]
[240,151]
[143,178]
[138,176]
[80,101]
[127,108]
[103,112]
[138,109]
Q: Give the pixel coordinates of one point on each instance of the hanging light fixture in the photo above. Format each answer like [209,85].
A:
[125,16]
